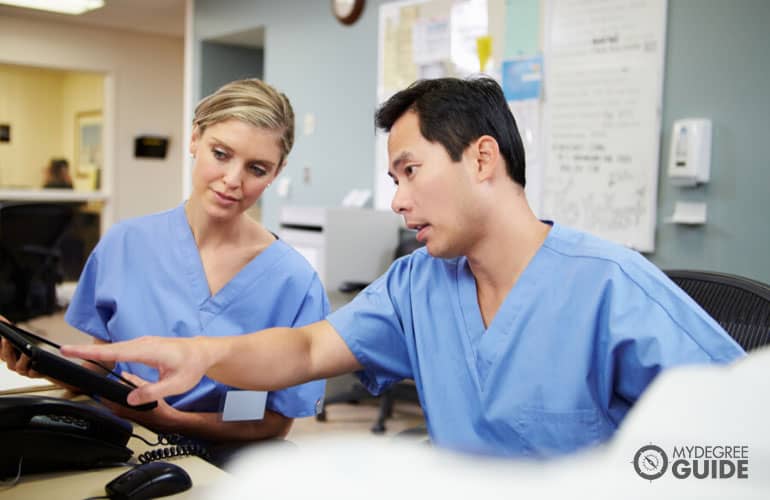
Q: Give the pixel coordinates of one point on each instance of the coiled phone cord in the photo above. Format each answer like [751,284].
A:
[176,445]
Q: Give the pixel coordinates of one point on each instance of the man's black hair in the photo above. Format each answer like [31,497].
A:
[455,112]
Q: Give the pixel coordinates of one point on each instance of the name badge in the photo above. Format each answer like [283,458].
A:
[244,405]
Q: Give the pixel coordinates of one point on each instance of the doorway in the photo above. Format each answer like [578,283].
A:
[233,57]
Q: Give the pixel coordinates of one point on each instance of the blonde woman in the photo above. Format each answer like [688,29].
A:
[205,268]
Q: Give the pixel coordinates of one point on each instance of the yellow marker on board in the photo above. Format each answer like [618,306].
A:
[484,50]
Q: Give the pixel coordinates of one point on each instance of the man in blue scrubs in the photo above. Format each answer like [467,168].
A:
[524,337]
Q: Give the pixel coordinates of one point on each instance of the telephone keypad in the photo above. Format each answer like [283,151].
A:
[60,421]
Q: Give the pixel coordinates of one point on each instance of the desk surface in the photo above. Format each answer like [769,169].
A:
[90,483]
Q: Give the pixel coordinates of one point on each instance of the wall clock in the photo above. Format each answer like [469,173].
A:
[347,11]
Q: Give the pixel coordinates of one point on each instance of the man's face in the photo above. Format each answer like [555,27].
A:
[433,193]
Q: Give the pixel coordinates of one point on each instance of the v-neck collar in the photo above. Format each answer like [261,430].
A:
[483,344]
[209,306]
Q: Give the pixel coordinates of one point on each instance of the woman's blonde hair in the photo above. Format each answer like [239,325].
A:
[251,101]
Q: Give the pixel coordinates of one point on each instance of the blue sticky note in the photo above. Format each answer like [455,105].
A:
[522,78]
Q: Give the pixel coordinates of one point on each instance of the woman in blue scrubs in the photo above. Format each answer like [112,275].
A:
[524,337]
[205,268]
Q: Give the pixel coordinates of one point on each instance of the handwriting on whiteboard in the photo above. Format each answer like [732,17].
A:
[603,92]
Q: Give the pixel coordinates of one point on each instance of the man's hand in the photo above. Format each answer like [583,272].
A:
[181,363]
[266,360]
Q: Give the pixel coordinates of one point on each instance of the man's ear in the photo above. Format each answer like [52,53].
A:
[487,157]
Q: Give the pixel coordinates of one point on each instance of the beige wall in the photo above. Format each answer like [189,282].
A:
[30,102]
[143,94]
[81,93]
[40,106]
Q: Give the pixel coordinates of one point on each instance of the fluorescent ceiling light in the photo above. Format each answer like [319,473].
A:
[62,6]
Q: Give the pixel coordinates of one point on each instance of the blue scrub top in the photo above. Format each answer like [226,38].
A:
[585,329]
[145,277]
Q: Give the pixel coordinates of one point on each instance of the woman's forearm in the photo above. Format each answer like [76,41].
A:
[210,427]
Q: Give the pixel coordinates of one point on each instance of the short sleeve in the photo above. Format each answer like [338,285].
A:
[647,334]
[304,400]
[315,305]
[375,325]
[88,311]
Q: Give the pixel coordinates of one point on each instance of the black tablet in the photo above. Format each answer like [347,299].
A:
[49,362]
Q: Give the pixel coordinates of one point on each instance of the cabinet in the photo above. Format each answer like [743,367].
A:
[341,243]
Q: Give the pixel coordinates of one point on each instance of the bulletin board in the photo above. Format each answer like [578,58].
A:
[604,63]
[424,39]
[597,121]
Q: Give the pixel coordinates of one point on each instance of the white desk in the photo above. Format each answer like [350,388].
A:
[12,383]
[52,195]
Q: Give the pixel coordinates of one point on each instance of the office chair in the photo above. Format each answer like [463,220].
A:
[400,391]
[29,257]
[740,305]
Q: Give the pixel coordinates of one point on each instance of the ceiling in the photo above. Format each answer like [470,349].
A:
[162,17]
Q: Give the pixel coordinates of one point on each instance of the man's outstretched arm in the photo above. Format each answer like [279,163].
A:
[266,360]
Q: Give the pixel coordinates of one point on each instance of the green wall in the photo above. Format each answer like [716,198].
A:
[222,63]
[327,69]
[717,66]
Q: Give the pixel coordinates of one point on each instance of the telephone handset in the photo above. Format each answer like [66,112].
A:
[40,434]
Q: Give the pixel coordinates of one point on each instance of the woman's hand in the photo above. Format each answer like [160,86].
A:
[164,418]
[14,360]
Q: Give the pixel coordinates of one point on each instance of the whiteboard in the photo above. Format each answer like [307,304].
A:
[604,63]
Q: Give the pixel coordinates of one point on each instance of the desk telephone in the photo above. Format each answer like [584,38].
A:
[51,434]
[41,434]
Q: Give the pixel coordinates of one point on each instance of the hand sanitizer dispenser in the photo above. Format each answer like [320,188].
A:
[690,155]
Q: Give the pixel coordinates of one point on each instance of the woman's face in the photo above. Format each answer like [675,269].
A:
[234,163]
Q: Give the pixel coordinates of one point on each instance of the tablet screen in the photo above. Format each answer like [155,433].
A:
[47,360]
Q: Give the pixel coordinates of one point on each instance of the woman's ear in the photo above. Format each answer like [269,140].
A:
[194,141]
[279,169]
[488,157]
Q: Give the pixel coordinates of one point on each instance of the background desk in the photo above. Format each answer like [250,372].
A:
[80,484]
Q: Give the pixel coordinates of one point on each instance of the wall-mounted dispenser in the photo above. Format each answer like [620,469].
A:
[690,155]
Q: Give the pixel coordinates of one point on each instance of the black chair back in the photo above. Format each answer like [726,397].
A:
[30,258]
[740,305]
[35,224]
